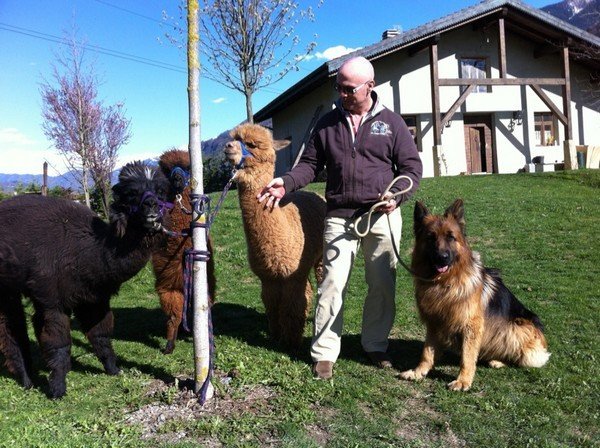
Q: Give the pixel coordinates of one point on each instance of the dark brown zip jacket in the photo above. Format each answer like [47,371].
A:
[359,171]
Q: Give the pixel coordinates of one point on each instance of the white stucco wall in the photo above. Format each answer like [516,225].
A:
[403,84]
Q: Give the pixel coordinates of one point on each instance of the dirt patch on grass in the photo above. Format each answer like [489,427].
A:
[167,419]
[417,422]
[319,431]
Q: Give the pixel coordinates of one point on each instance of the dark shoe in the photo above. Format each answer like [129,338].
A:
[322,370]
[380,359]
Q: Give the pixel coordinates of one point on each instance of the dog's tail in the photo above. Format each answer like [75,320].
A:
[535,348]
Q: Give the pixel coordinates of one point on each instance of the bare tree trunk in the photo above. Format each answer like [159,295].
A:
[85,185]
[249,114]
[201,307]
[105,191]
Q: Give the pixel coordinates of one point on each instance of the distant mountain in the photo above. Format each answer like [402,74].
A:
[584,14]
[8,182]
[213,147]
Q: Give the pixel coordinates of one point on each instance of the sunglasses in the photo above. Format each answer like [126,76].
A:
[348,90]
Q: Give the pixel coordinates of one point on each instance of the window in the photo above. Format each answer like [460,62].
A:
[546,129]
[413,126]
[474,68]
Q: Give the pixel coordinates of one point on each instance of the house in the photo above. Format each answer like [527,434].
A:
[488,89]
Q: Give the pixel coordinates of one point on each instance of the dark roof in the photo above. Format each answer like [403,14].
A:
[548,27]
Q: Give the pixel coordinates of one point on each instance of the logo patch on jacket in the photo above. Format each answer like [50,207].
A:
[380,128]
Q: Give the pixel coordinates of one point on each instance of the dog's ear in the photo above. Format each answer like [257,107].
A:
[457,211]
[419,214]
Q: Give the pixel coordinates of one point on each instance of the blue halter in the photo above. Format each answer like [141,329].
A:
[245,155]
[183,173]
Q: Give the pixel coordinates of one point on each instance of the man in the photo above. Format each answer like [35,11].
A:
[363,146]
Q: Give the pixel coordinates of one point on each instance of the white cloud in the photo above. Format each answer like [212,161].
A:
[12,136]
[30,161]
[219,100]
[21,154]
[330,53]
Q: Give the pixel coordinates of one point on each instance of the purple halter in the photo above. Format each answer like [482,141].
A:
[164,206]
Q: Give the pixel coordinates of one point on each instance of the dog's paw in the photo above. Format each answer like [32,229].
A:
[496,364]
[412,375]
[459,384]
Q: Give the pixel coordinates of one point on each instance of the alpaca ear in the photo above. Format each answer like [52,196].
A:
[419,215]
[457,211]
[280,144]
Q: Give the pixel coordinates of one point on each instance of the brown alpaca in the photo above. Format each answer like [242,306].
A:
[284,243]
[168,260]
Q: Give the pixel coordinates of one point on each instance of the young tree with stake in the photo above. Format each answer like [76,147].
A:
[202,349]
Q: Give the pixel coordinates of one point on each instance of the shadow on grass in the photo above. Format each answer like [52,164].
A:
[140,324]
[147,326]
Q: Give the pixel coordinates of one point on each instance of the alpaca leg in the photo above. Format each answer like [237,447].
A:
[97,322]
[293,310]
[271,297]
[14,343]
[171,303]
[53,330]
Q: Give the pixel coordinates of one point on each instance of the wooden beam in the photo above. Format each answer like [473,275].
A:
[435,94]
[566,90]
[461,99]
[501,48]
[501,82]
[548,102]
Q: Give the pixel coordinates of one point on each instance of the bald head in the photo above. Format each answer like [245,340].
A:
[357,68]
[355,82]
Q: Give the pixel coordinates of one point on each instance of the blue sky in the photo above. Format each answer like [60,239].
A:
[155,97]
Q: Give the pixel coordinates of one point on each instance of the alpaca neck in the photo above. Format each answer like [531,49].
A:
[254,214]
[128,254]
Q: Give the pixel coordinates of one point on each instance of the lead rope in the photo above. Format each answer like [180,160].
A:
[200,204]
[372,210]
[374,207]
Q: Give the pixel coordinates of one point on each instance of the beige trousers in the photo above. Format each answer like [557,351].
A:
[341,245]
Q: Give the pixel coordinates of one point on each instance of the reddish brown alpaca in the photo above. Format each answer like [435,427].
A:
[168,260]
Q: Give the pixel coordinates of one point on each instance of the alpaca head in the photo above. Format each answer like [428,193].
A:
[259,144]
[175,165]
[139,198]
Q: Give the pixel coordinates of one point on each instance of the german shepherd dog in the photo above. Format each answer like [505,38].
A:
[465,306]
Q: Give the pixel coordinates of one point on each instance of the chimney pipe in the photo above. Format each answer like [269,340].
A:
[389,33]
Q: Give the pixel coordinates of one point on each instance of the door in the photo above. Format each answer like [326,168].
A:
[479,151]
[476,149]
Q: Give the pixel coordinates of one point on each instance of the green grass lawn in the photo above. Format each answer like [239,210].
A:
[541,230]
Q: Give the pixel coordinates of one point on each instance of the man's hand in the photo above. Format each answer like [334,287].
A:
[390,206]
[273,192]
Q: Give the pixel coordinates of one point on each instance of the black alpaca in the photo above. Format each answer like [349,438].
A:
[67,260]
